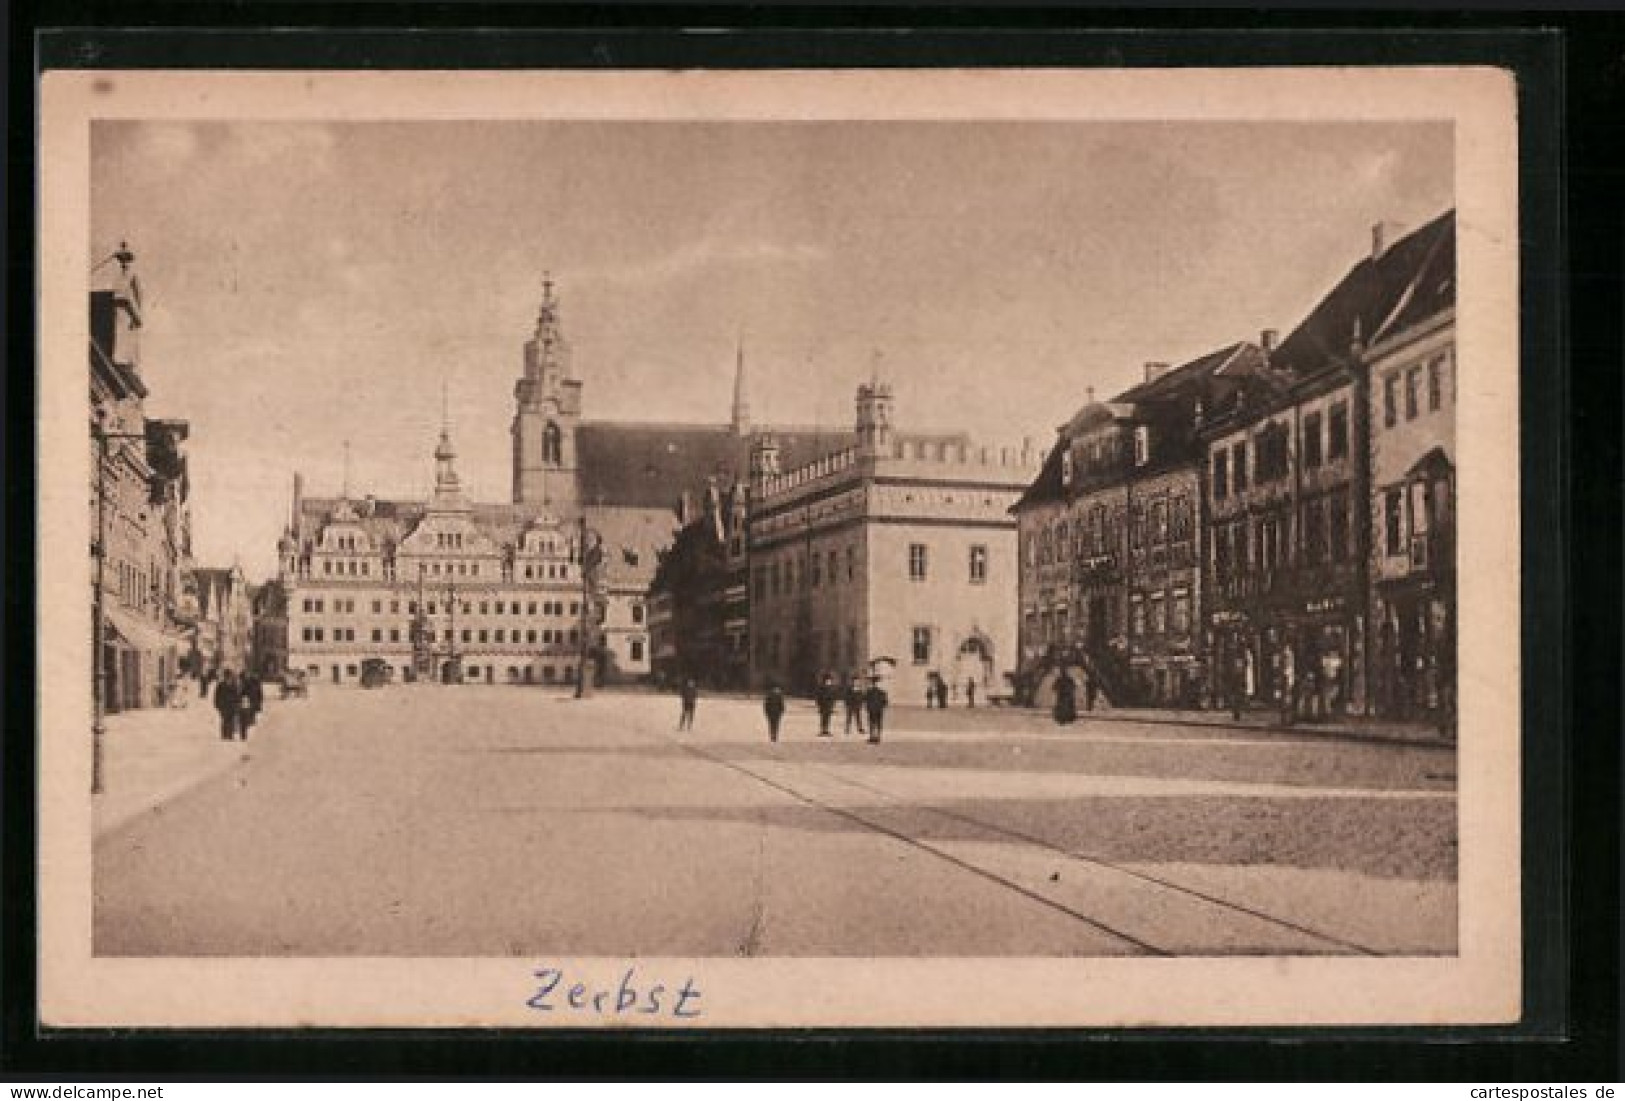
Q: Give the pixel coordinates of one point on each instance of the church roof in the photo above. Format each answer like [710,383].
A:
[632,465]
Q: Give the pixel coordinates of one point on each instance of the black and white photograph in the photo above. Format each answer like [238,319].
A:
[700,549]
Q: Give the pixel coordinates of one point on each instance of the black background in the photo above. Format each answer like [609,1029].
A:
[1571,73]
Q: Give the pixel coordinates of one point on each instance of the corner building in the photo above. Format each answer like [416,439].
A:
[897,546]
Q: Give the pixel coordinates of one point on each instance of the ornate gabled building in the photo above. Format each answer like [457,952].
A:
[1111,534]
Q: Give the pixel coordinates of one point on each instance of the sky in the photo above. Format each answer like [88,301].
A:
[309,284]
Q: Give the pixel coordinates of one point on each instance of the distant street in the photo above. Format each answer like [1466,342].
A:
[476,821]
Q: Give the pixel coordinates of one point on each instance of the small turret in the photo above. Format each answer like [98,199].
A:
[874,415]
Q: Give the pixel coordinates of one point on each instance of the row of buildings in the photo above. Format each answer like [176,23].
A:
[1273,495]
[1269,497]
[734,552]
[157,616]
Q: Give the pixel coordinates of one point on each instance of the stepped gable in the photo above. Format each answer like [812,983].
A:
[633,539]
[1373,296]
[650,465]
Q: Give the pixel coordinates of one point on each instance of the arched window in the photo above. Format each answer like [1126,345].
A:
[552,444]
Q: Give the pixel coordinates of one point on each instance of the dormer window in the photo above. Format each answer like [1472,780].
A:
[1067,469]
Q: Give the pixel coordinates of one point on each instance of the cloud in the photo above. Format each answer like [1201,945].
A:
[702,255]
[252,145]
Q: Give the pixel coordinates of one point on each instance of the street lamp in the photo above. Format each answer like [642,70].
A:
[98,553]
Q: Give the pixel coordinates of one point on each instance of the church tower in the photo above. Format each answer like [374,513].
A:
[547,409]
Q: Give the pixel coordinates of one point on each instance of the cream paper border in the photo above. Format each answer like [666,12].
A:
[1480,985]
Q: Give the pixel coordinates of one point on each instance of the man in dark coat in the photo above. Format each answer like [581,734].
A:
[252,699]
[1066,698]
[854,704]
[773,708]
[690,693]
[874,701]
[970,692]
[825,698]
[228,701]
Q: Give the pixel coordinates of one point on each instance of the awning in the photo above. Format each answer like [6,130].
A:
[141,634]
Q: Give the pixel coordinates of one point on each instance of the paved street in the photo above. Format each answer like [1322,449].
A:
[494,821]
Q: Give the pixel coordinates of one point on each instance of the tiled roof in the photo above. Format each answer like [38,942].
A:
[651,465]
[1373,293]
[1047,486]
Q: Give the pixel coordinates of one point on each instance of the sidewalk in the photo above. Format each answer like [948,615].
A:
[152,755]
[1351,728]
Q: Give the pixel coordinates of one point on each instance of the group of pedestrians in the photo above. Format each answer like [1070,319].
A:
[862,703]
[936,691]
[239,700]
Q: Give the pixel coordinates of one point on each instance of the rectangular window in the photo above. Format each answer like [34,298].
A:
[468,635]
[922,645]
[1393,522]
[1179,615]
[318,634]
[1435,383]
[394,607]
[1221,475]
[637,613]
[1337,431]
[1137,616]
[394,634]
[851,563]
[1413,383]
[916,562]
[531,608]
[1142,445]
[1159,623]
[306,634]
[1311,441]
[377,607]
[833,562]
[499,608]
[377,634]
[636,649]
[978,564]
[1337,522]
[501,635]
[1390,400]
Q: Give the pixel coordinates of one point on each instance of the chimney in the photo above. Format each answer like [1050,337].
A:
[1268,339]
[1384,234]
[1155,370]
[1089,395]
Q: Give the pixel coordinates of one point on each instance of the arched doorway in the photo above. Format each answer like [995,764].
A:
[974,661]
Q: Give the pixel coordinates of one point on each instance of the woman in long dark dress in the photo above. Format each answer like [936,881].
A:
[773,708]
[1066,698]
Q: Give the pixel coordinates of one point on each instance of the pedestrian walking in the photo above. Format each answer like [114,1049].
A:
[228,701]
[874,701]
[1288,686]
[825,698]
[970,692]
[1235,684]
[253,699]
[854,704]
[1066,698]
[773,707]
[690,694]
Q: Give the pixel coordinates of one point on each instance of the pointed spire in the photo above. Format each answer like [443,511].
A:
[741,406]
[346,493]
